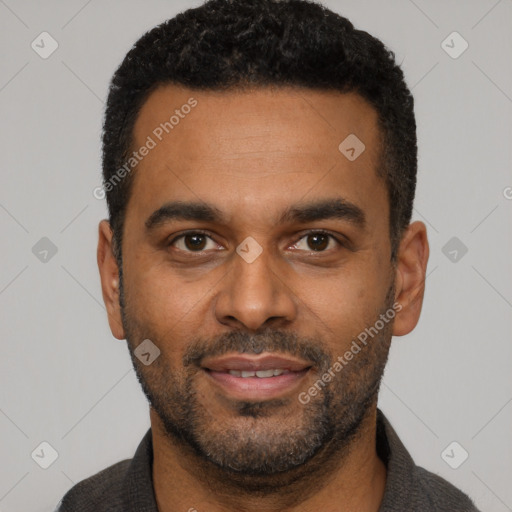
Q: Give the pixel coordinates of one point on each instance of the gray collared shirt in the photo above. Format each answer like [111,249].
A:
[128,485]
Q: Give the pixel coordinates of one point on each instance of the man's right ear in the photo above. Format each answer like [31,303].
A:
[109,274]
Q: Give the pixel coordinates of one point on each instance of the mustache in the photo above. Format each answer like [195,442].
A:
[270,340]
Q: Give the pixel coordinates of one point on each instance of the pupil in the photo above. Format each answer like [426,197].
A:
[321,245]
[195,241]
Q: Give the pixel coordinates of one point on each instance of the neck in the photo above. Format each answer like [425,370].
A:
[333,481]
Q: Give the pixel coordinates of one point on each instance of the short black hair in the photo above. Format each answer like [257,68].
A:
[225,44]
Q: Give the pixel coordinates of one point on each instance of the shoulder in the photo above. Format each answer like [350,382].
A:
[99,492]
[411,487]
[441,494]
[123,487]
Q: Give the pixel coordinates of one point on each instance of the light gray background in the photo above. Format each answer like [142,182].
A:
[64,378]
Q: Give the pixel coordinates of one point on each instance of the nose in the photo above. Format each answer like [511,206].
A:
[254,295]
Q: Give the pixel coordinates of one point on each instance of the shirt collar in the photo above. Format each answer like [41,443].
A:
[401,469]
[138,482]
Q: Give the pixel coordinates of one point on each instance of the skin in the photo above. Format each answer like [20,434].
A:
[253,154]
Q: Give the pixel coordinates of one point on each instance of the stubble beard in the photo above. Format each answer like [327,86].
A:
[267,445]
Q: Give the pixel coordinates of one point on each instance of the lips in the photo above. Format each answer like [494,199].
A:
[245,363]
[249,377]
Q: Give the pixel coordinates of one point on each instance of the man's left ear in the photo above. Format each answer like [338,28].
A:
[411,267]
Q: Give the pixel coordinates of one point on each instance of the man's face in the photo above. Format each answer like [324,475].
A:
[303,287]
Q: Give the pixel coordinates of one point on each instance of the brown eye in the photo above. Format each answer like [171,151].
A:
[195,242]
[318,241]
[191,242]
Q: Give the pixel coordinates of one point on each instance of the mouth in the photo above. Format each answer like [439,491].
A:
[255,377]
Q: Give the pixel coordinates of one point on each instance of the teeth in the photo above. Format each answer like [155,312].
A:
[265,373]
[260,373]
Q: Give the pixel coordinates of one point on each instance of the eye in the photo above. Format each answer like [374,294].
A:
[197,241]
[194,241]
[316,241]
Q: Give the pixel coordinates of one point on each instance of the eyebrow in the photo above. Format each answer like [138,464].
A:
[335,208]
[180,210]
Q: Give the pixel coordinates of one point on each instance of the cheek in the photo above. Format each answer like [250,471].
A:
[158,289]
[337,304]
[167,305]
[345,303]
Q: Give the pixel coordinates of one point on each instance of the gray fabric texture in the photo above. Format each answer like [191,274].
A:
[127,486]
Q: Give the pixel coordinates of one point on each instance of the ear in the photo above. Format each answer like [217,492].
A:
[411,268]
[109,273]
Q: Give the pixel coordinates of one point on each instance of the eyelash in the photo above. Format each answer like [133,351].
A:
[309,233]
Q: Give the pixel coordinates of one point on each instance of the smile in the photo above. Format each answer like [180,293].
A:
[262,374]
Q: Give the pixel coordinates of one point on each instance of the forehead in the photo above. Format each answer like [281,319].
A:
[249,147]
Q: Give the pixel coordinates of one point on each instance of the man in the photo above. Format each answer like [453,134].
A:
[260,168]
